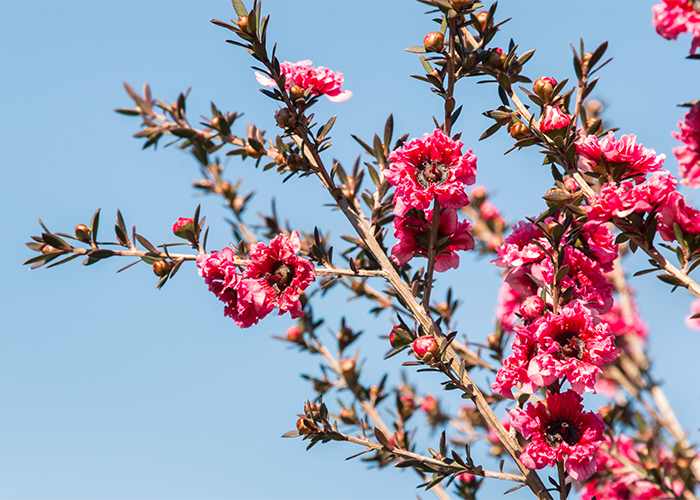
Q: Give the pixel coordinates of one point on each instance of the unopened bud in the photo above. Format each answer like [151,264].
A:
[434,41]
[296,92]
[594,125]
[544,87]
[183,225]
[430,405]
[347,366]
[395,339]
[294,162]
[494,341]
[497,59]
[252,152]
[519,131]
[406,407]
[460,4]
[216,121]
[285,118]
[311,409]
[82,232]
[162,268]
[294,334]
[478,192]
[48,249]
[304,426]
[243,23]
[225,188]
[554,227]
[426,349]
[347,415]
[483,18]
[398,440]
[238,203]
[532,307]
[279,159]
[586,58]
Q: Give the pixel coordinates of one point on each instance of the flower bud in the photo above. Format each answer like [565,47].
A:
[519,131]
[215,122]
[398,439]
[426,349]
[295,162]
[48,249]
[467,478]
[294,334]
[162,268]
[348,416]
[312,409]
[285,119]
[554,121]
[478,192]
[238,203]
[532,307]
[252,152]
[305,426]
[430,405]
[296,92]
[243,23]
[406,406]
[482,17]
[182,225]
[544,87]
[461,4]
[433,41]
[82,232]
[395,339]
[347,367]
[497,58]
[594,125]
[279,159]
[494,341]
[586,58]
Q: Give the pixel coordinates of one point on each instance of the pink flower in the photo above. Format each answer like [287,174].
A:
[625,198]
[600,244]
[520,248]
[690,322]
[532,307]
[321,81]
[560,431]
[508,304]
[281,273]
[676,211]
[182,225]
[571,345]
[554,119]
[515,368]
[673,17]
[625,151]
[688,155]
[428,168]
[244,298]
[414,238]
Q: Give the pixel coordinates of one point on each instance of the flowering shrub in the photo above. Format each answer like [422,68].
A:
[566,321]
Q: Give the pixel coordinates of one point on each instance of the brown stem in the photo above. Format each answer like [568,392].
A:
[428,287]
[562,480]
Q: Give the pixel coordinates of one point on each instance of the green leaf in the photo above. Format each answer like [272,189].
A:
[417,49]
[597,54]
[239,8]
[146,244]
[490,131]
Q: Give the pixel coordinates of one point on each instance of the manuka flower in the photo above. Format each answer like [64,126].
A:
[281,273]
[428,168]
[515,368]
[413,233]
[571,345]
[321,81]
[673,17]
[244,298]
[615,152]
[560,431]
[675,211]
[688,155]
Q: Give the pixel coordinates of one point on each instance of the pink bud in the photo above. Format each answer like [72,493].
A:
[293,334]
[531,307]
[488,210]
[396,340]
[429,405]
[554,119]
[467,478]
[426,349]
[478,192]
[347,366]
[182,225]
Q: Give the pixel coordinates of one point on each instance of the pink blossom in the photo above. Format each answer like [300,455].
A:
[690,322]
[623,151]
[488,210]
[572,345]
[625,198]
[673,17]
[554,119]
[508,305]
[413,233]
[520,248]
[428,168]
[321,81]
[560,431]
[244,298]
[688,155]
[532,307]
[515,368]
[282,274]
[606,387]
[676,211]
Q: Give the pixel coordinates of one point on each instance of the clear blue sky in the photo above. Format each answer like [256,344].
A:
[111,389]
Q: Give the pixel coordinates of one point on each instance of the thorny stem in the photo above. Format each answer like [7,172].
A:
[432,461]
[683,278]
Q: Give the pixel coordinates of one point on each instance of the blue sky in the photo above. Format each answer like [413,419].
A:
[112,389]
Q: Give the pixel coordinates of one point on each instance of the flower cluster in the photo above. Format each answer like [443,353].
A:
[560,431]
[424,170]
[673,17]
[597,153]
[321,81]
[616,480]
[275,277]
[688,155]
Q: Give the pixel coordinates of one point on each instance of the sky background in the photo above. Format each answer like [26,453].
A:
[112,389]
